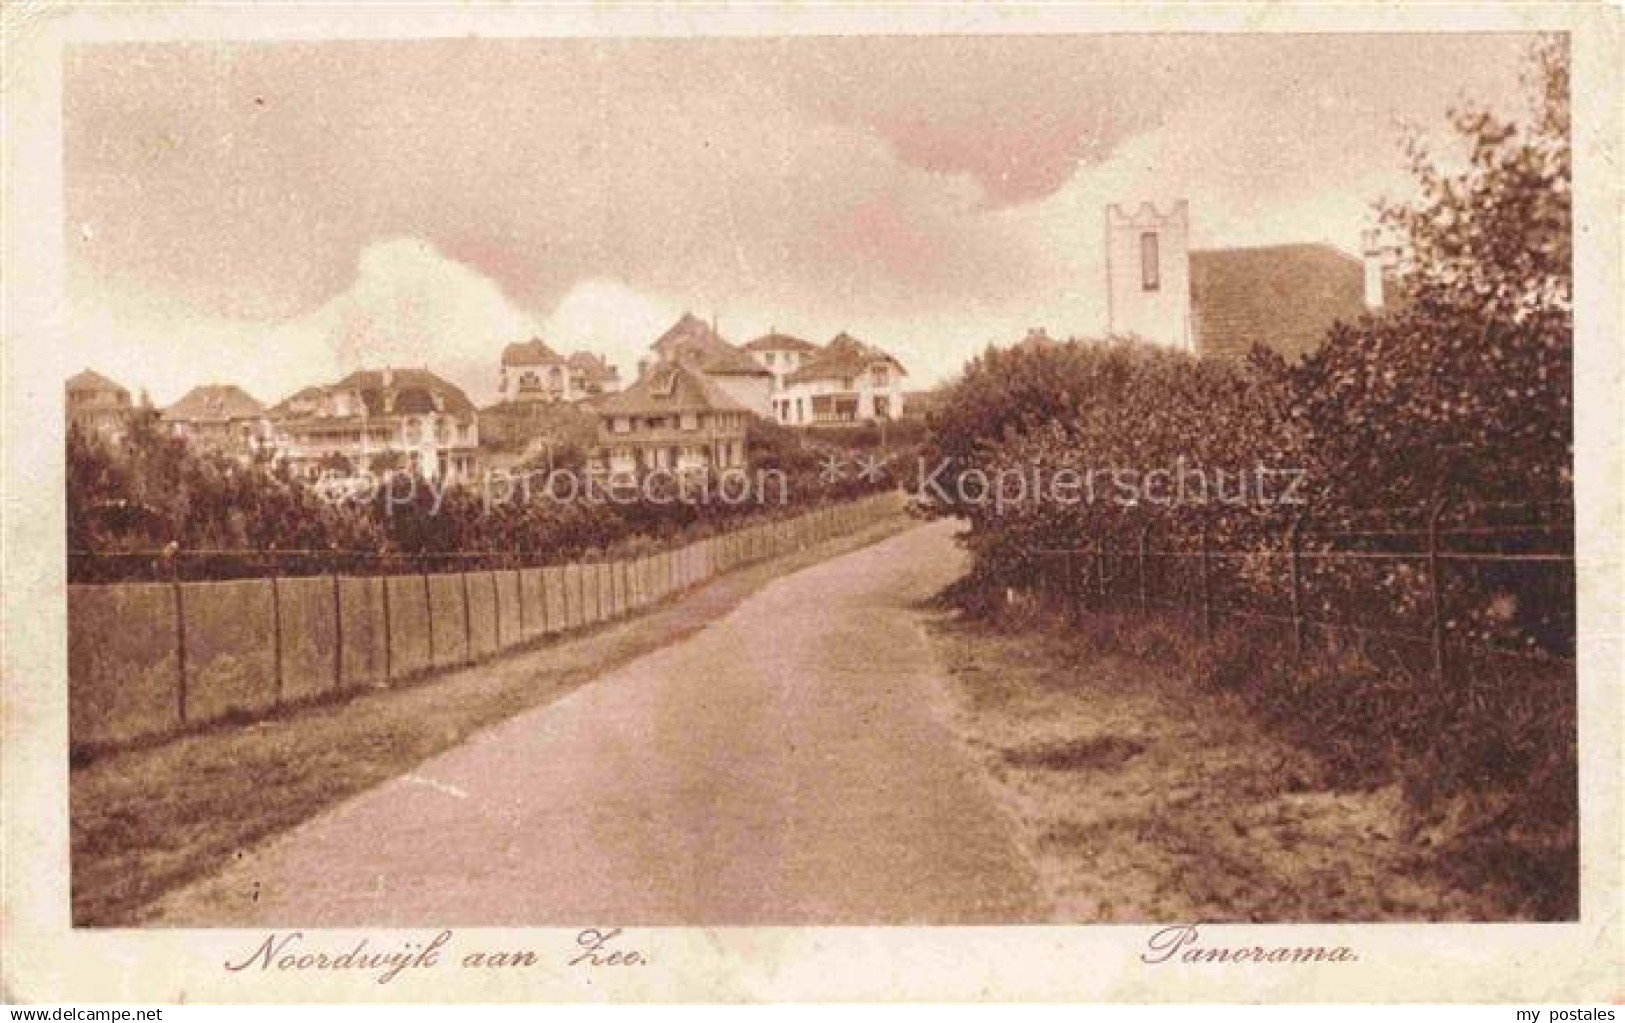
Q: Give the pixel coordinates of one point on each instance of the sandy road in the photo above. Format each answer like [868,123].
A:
[782,766]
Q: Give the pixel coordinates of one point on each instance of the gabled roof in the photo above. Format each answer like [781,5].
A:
[1284,297]
[407,392]
[693,341]
[688,332]
[592,367]
[845,356]
[667,388]
[534,352]
[214,403]
[776,342]
[89,379]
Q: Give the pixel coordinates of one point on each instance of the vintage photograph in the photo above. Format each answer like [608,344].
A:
[820,480]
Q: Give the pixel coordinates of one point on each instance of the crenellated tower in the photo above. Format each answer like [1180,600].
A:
[1148,274]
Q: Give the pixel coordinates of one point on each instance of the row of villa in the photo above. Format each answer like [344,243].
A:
[687,410]
[695,392]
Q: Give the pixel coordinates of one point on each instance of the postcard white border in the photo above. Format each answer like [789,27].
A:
[47,961]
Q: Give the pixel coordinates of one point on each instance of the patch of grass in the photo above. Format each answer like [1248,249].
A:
[1075,755]
[146,820]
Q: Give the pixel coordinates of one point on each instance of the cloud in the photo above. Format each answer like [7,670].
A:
[317,205]
[612,319]
[412,306]
[407,305]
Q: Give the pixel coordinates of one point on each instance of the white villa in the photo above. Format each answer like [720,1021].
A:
[378,420]
[846,382]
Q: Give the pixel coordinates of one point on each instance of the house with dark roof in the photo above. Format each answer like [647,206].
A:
[693,342]
[97,406]
[844,383]
[591,375]
[676,418]
[378,421]
[533,371]
[220,417]
[1220,303]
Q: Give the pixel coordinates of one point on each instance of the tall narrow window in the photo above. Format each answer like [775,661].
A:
[1150,272]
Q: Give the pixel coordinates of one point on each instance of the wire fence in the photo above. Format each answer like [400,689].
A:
[146,658]
[1442,588]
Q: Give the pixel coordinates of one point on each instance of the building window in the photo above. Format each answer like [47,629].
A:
[877,376]
[1150,271]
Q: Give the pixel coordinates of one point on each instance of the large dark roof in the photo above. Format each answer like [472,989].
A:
[214,403]
[667,388]
[693,341]
[845,356]
[534,352]
[89,379]
[1283,297]
[407,392]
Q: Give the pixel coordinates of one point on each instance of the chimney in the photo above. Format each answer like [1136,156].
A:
[1375,264]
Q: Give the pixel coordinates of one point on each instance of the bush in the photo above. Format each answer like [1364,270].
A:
[152,492]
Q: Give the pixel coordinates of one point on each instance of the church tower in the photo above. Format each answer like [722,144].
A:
[1148,274]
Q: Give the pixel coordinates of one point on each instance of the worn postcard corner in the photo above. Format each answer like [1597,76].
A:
[783,504]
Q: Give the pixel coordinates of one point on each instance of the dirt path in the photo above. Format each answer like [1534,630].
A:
[783,766]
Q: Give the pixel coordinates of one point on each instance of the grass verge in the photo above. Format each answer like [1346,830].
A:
[147,820]
[1147,790]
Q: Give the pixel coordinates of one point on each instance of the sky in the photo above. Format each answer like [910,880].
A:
[277,214]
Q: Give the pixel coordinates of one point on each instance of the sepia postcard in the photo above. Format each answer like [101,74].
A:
[788,503]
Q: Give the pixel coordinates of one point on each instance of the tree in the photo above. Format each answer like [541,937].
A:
[1465,390]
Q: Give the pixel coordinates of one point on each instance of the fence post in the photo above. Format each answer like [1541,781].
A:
[1144,601]
[1207,593]
[180,630]
[1437,590]
[428,606]
[496,616]
[519,589]
[389,626]
[1292,538]
[276,627]
[338,629]
[468,623]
